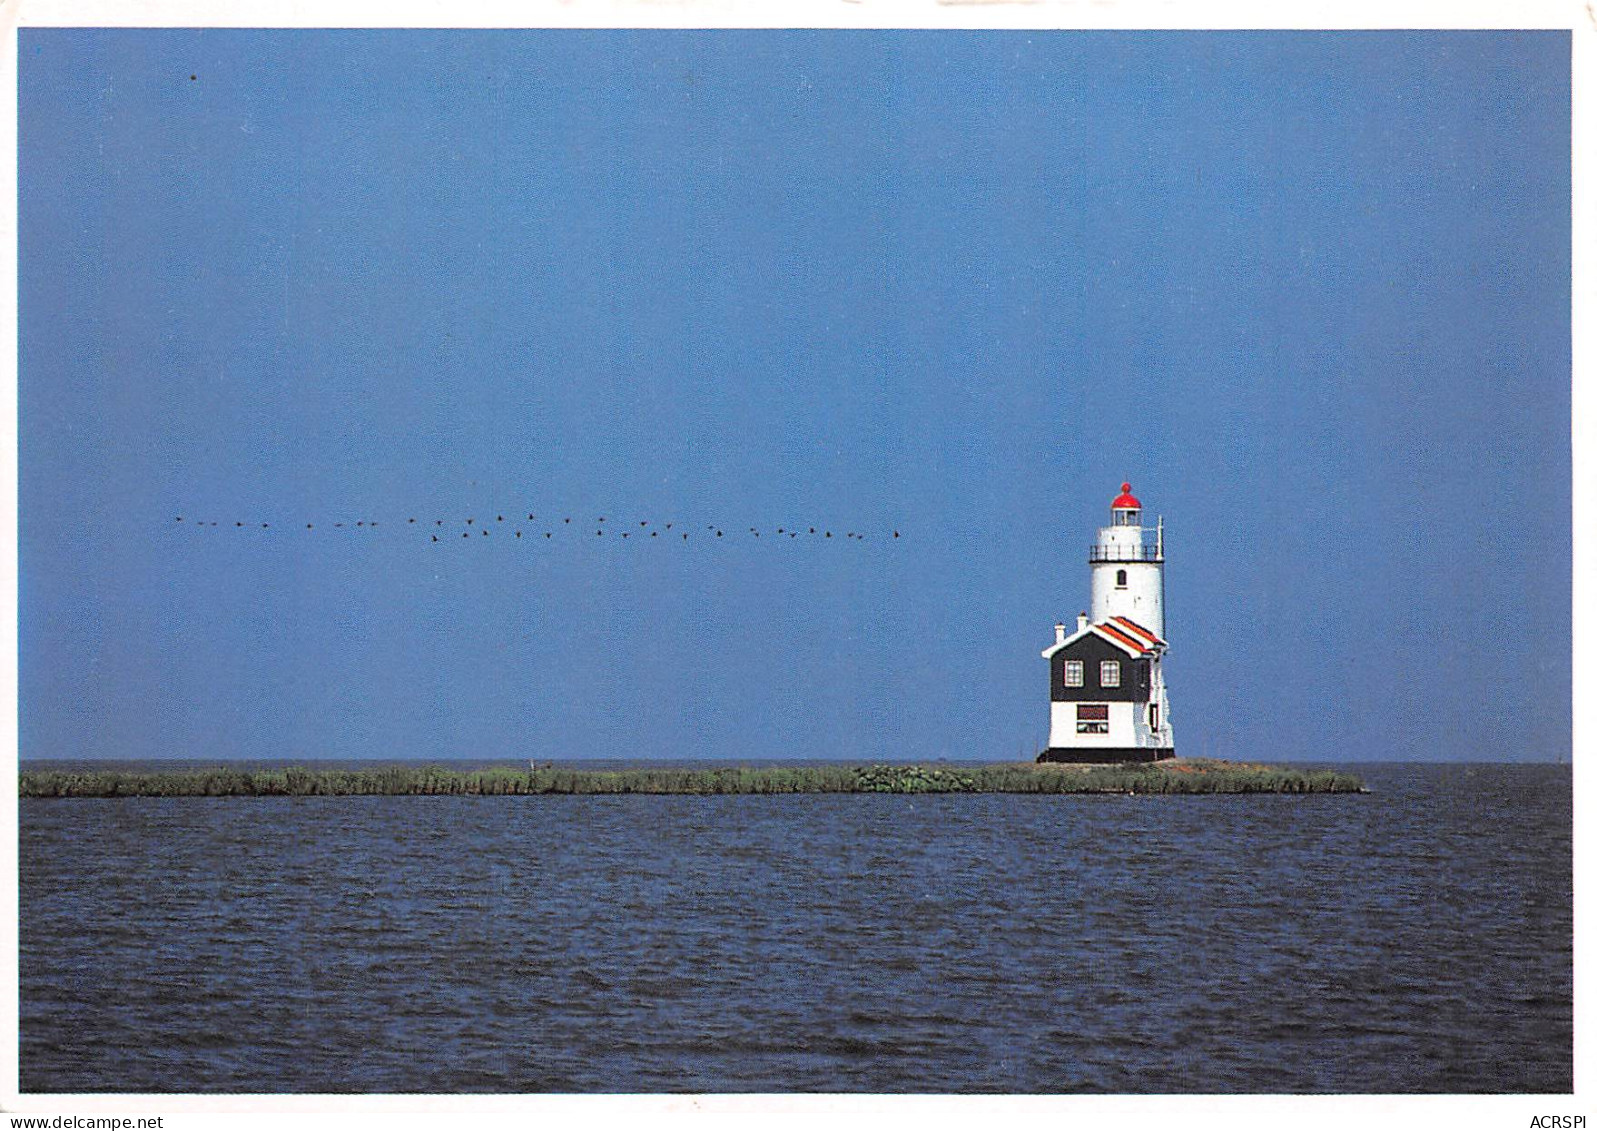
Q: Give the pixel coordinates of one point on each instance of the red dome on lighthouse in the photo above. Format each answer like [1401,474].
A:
[1126,501]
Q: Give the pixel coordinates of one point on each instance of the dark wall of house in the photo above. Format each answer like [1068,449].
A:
[1134,674]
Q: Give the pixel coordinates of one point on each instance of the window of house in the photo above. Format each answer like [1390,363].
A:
[1092,718]
[1153,716]
[1109,673]
[1074,674]
[1120,579]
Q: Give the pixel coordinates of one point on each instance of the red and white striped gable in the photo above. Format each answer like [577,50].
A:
[1129,636]
[1123,632]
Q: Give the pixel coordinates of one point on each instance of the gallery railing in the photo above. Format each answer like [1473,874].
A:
[1126,553]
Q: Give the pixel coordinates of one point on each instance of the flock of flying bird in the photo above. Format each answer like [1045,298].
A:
[644,529]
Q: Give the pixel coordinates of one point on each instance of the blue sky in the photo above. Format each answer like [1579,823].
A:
[1308,292]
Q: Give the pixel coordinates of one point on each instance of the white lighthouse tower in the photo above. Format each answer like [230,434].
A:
[1106,680]
[1127,571]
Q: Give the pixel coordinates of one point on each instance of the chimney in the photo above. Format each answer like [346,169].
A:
[1059,634]
[1081,622]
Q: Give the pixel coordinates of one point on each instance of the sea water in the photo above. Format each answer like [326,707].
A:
[1414,939]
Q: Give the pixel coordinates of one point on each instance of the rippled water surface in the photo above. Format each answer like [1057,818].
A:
[1415,939]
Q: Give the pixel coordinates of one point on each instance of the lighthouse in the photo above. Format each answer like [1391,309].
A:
[1106,679]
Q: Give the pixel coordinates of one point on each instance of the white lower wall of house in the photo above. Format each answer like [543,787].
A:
[1122,727]
[1128,727]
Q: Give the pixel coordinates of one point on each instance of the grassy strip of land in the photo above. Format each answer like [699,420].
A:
[1176,776]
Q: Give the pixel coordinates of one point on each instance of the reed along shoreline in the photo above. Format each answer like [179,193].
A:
[1176,776]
